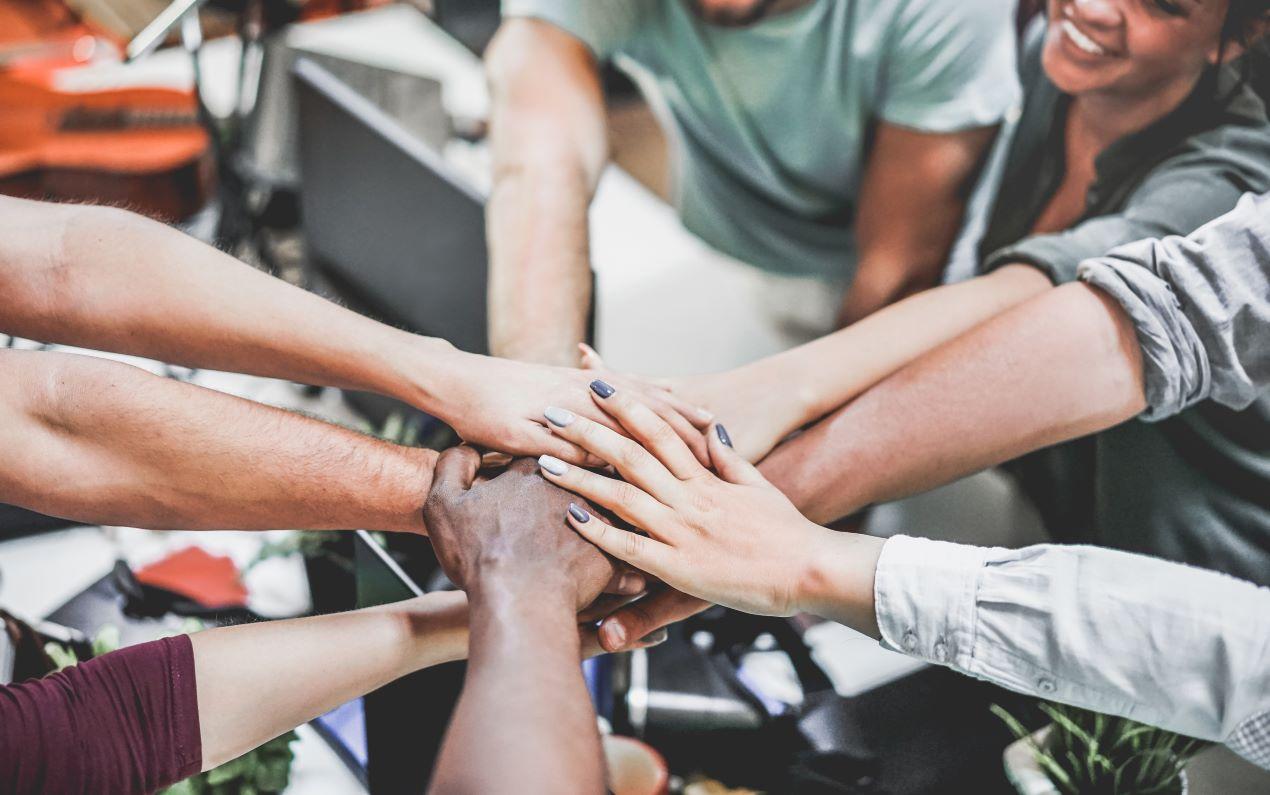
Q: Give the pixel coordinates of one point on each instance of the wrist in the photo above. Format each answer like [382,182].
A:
[410,482]
[837,577]
[504,585]
[427,372]
[434,628]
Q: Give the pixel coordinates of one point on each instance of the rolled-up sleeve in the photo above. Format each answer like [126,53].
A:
[1124,634]
[1201,308]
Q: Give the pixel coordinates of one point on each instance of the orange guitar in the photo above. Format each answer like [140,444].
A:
[137,147]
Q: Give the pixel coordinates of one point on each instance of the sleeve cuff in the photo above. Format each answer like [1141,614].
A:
[1175,367]
[924,595]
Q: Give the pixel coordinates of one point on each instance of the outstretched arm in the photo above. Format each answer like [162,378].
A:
[107,443]
[106,279]
[526,574]
[550,143]
[1062,365]
[822,375]
[144,717]
[1072,624]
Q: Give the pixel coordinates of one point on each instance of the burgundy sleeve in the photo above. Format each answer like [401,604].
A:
[126,722]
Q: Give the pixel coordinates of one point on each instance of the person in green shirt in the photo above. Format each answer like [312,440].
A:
[829,143]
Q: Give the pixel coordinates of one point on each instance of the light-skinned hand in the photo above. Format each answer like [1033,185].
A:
[730,538]
[498,406]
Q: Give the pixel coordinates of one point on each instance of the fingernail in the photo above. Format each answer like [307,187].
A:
[655,637]
[615,633]
[578,513]
[723,434]
[601,388]
[705,414]
[559,417]
[630,584]
[553,465]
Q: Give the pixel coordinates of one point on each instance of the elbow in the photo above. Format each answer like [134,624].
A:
[1111,349]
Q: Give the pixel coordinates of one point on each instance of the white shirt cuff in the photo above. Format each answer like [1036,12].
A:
[924,593]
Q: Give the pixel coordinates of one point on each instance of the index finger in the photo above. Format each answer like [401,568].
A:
[649,429]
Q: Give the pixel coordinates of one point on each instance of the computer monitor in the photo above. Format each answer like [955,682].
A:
[386,220]
[390,738]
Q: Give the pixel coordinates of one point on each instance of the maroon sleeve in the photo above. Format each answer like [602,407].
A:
[126,722]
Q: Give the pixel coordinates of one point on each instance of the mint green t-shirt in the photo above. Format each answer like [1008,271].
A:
[774,119]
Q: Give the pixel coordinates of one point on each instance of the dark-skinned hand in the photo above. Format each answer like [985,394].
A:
[510,530]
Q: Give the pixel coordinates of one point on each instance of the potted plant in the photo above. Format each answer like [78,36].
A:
[1087,753]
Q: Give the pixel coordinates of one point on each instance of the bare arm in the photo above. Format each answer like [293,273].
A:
[107,279]
[107,443]
[550,143]
[248,693]
[524,722]
[822,375]
[1062,365]
[912,201]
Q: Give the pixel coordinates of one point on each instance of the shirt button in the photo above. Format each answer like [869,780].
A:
[1045,685]
[910,641]
[941,651]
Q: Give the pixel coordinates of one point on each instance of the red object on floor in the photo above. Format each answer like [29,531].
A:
[210,580]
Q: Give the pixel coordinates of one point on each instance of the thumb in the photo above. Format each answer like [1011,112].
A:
[727,462]
[590,359]
[455,470]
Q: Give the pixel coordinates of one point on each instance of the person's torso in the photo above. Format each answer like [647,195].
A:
[1194,487]
[773,121]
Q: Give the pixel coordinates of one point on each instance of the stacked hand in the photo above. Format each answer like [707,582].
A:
[510,530]
[730,538]
[755,401]
[498,404]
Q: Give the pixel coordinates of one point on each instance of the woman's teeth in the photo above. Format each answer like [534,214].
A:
[1081,40]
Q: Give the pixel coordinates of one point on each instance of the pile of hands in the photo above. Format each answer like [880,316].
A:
[641,514]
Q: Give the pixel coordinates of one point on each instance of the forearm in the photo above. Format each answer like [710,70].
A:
[107,443]
[249,692]
[524,722]
[104,278]
[826,373]
[540,273]
[549,142]
[1062,365]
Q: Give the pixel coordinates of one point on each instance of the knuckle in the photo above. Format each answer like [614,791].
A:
[624,495]
[633,545]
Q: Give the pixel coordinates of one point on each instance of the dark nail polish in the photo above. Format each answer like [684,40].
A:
[601,388]
[723,434]
[655,637]
[579,514]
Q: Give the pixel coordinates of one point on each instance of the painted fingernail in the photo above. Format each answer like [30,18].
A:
[559,417]
[630,584]
[602,388]
[723,434]
[578,513]
[553,465]
[615,633]
[655,637]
